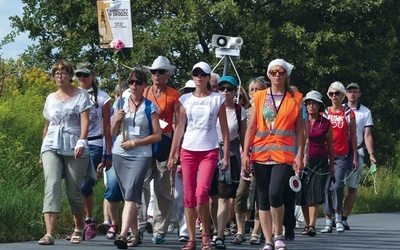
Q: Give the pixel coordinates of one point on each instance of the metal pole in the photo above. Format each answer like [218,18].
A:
[226,64]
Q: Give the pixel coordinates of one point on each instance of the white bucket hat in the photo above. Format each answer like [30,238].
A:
[188,85]
[161,62]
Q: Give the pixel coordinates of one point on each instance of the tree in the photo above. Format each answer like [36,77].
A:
[349,41]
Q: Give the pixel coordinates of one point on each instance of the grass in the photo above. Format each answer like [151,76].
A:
[21,209]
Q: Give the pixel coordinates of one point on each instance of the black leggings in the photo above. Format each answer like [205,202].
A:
[271,181]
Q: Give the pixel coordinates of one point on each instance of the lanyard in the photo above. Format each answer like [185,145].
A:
[273,101]
[136,107]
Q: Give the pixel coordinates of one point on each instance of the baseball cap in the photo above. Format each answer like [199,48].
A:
[203,66]
[85,67]
[353,85]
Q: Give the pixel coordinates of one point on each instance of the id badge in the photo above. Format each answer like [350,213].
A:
[134,130]
[163,124]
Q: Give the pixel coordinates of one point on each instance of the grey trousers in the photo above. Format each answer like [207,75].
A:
[55,168]
[163,203]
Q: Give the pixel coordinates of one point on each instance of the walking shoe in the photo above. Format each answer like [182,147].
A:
[112,232]
[171,228]
[327,229]
[345,225]
[339,227]
[103,228]
[90,229]
[158,239]
[183,238]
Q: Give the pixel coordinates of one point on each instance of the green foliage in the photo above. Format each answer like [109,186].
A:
[347,41]
[387,196]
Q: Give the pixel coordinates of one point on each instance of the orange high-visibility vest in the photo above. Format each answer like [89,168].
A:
[276,144]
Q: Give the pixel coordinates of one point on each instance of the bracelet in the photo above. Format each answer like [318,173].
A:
[107,157]
[132,143]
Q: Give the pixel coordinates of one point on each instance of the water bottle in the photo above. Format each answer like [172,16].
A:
[220,164]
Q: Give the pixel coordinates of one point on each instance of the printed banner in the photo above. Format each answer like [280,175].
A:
[115,22]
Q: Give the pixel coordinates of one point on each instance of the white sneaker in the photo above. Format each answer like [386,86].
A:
[327,229]
[339,227]
[171,228]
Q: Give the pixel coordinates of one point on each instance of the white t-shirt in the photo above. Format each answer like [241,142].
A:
[96,116]
[363,119]
[232,124]
[202,114]
[64,122]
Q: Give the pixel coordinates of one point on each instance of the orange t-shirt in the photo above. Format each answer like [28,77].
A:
[165,104]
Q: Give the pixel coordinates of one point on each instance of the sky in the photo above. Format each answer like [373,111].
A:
[12,50]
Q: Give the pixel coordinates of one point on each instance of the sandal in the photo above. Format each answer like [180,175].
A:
[268,246]
[121,242]
[220,243]
[190,245]
[279,242]
[255,239]
[47,239]
[133,240]
[75,238]
[311,231]
[206,244]
[238,239]
[305,231]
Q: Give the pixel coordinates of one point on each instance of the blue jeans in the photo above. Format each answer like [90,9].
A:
[96,155]
[113,191]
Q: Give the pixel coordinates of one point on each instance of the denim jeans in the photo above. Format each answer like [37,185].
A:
[113,191]
[96,155]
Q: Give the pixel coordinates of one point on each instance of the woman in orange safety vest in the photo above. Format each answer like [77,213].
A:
[275,121]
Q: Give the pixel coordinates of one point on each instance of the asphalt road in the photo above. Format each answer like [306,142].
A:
[367,231]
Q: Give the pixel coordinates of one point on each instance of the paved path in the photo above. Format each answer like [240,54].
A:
[368,231]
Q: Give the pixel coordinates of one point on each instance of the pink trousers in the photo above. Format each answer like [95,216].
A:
[198,169]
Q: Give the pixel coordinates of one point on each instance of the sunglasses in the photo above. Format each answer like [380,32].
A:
[337,93]
[81,74]
[138,82]
[160,71]
[273,72]
[227,88]
[197,73]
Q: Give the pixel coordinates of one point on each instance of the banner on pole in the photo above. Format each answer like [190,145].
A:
[115,22]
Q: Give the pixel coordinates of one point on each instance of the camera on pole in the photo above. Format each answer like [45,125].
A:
[227,46]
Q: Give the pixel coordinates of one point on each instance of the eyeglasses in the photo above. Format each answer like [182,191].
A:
[160,71]
[137,82]
[227,88]
[337,93]
[273,72]
[199,72]
[81,74]
[61,74]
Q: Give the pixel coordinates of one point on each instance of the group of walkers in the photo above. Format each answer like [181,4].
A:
[224,153]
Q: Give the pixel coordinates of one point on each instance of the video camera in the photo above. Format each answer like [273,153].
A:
[227,46]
